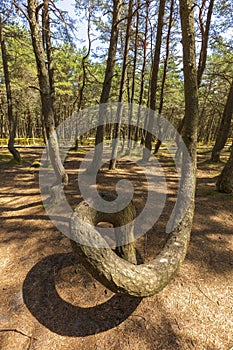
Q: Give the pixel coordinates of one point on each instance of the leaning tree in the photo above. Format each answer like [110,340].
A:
[115,271]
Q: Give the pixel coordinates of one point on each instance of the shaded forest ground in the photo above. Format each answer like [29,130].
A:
[49,303]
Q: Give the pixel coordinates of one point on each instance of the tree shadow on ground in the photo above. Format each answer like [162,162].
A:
[45,304]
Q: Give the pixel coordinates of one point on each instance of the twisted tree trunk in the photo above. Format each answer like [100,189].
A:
[116,273]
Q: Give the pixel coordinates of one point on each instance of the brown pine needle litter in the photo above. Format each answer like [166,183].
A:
[50,302]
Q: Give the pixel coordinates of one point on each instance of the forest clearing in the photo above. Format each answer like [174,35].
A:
[116,158]
[47,304]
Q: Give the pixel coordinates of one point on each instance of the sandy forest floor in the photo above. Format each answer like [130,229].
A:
[48,301]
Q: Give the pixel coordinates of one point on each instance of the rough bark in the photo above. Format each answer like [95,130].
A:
[122,277]
[124,236]
[11,120]
[154,79]
[190,125]
[45,92]
[97,158]
[224,127]
[225,180]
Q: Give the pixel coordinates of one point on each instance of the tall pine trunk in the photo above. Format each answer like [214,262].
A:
[143,72]
[45,92]
[116,131]
[224,127]
[11,120]
[99,139]
[154,80]
[159,142]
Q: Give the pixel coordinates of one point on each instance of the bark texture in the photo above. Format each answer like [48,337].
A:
[121,221]
[45,92]
[123,277]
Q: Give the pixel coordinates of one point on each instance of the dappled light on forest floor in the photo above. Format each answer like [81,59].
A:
[48,301]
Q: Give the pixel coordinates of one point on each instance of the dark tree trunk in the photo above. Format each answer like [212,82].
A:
[225,180]
[117,4]
[159,142]
[12,124]
[224,127]
[45,92]
[204,44]
[117,126]
[143,70]
[205,37]
[154,80]
[84,77]
[117,274]
[131,98]
[46,34]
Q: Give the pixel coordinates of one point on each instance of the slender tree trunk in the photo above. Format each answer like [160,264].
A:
[225,180]
[205,37]
[117,274]
[12,124]
[133,77]
[46,34]
[143,72]
[45,92]
[154,80]
[84,77]
[204,45]
[224,127]
[117,5]
[117,126]
[159,142]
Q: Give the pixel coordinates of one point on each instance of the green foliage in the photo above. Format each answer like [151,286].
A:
[68,69]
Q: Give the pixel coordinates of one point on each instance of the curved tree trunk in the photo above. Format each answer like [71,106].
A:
[224,127]
[45,92]
[225,180]
[115,273]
